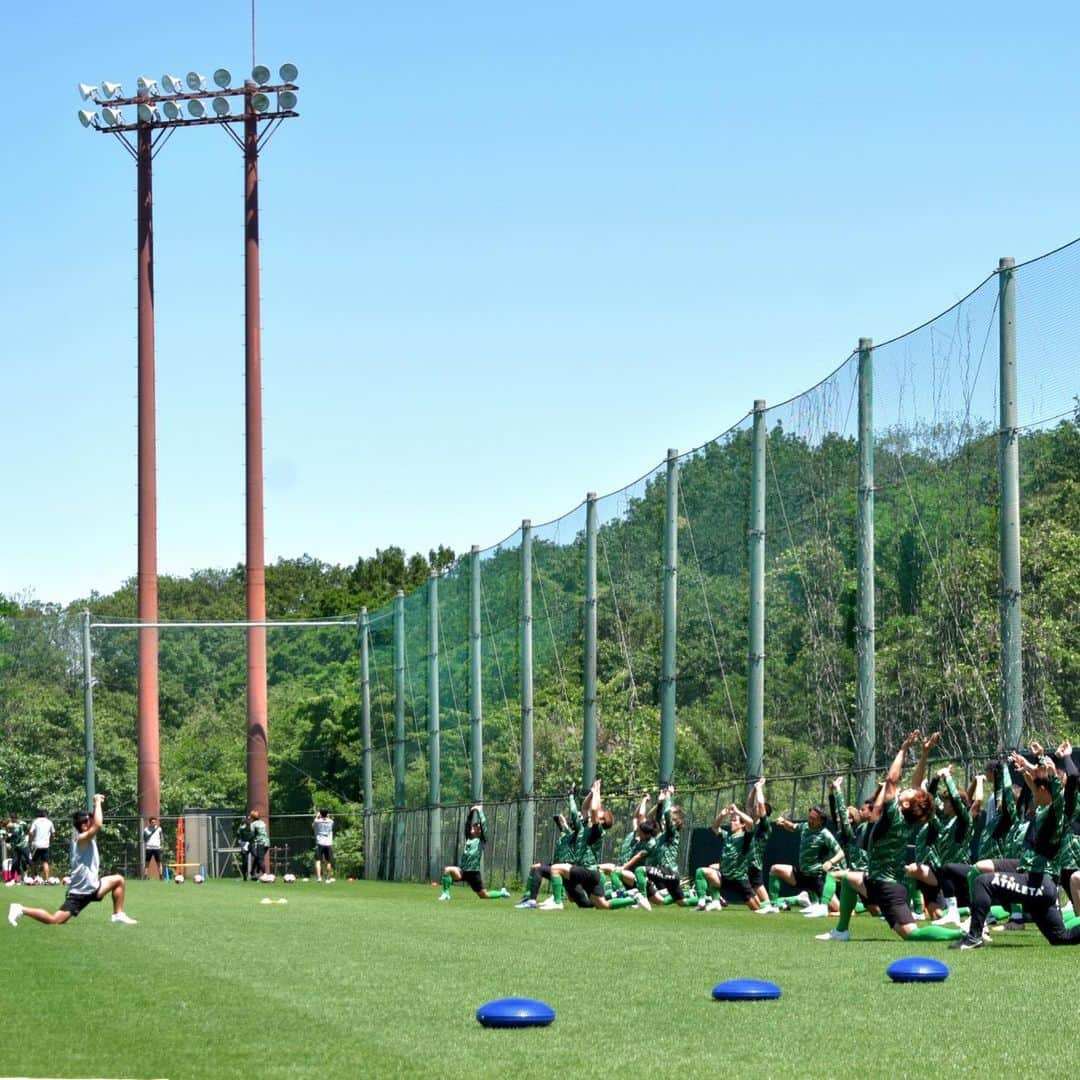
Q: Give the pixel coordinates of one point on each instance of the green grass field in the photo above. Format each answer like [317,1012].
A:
[370,980]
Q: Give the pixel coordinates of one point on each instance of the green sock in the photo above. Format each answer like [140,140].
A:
[558,889]
[999,913]
[447,881]
[714,892]
[500,895]
[701,885]
[963,912]
[639,877]
[774,890]
[915,897]
[622,901]
[830,889]
[860,907]
[848,899]
[935,933]
[1071,921]
[1017,910]
[668,899]
[529,884]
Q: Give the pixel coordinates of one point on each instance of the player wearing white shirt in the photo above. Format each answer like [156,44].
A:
[42,832]
[324,845]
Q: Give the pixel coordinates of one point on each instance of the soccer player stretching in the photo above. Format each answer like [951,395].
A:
[883,882]
[86,886]
[471,869]
[1034,884]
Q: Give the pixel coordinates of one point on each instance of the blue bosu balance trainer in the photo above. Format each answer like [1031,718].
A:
[917,969]
[515,1012]
[746,990]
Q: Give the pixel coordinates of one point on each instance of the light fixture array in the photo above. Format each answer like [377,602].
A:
[162,101]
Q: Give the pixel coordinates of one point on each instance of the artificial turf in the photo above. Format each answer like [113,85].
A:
[360,979]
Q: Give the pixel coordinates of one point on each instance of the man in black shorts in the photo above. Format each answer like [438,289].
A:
[87,886]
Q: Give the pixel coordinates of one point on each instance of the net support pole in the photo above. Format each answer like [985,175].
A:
[755,682]
[588,735]
[398,860]
[1012,688]
[526,808]
[667,660]
[365,734]
[435,862]
[476,680]
[88,711]
[865,697]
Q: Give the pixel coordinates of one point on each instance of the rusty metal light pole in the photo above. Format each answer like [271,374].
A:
[151,129]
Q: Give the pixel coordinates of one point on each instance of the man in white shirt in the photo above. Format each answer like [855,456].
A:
[324,845]
[153,838]
[42,832]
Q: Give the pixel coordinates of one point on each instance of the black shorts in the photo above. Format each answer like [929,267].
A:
[890,897]
[324,852]
[739,885]
[474,879]
[589,881]
[811,883]
[931,894]
[75,902]
[153,855]
[39,854]
[657,879]
[756,876]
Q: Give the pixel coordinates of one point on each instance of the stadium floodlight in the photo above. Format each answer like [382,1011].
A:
[147,112]
[222,78]
[196,108]
[87,91]
[288,73]
[220,105]
[112,115]
[88,118]
[111,90]
[171,109]
[260,102]
[145,85]
[260,74]
[195,81]
[173,84]
[286,101]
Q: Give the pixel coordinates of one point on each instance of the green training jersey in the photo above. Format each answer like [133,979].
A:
[815,846]
[587,847]
[887,854]
[665,855]
[472,854]
[259,832]
[953,844]
[762,832]
[627,847]
[1042,847]
[20,835]
[564,846]
[735,861]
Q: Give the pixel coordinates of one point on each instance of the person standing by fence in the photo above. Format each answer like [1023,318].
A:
[260,844]
[324,845]
[153,838]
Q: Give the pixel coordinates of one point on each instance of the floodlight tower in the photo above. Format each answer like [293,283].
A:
[151,129]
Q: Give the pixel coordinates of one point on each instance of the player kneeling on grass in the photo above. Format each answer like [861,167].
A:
[471,869]
[733,867]
[86,886]
[883,883]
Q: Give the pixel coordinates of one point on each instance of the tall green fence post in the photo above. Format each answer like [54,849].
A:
[865,698]
[435,863]
[588,736]
[667,661]
[88,714]
[1012,686]
[526,809]
[370,860]
[755,688]
[476,677]
[398,860]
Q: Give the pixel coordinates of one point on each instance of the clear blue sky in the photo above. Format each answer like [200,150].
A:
[510,254]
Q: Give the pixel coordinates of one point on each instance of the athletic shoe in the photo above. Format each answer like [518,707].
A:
[14,914]
[444,896]
[968,941]
[702,904]
[816,911]
[331,880]
[834,935]
[550,904]
[950,918]
[803,899]
[767,909]
[504,893]
[714,905]
[920,916]
[528,902]
[127,920]
[642,902]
